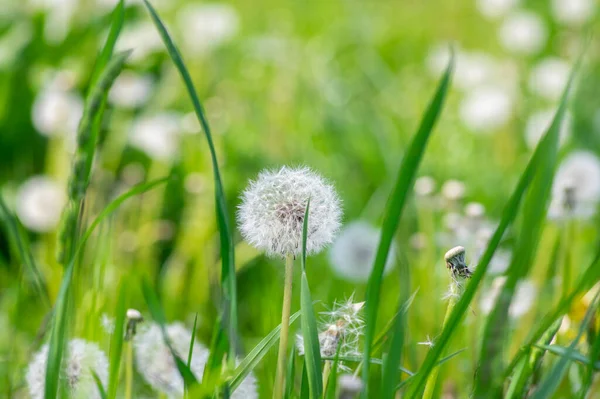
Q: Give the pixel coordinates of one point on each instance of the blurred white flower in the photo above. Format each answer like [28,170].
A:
[523,32]
[576,188]
[453,190]
[156,365]
[549,78]
[58,17]
[349,385]
[573,12]
[81,359]
[539,122]
[522,301]
[142,38]
[424,186]
[206,26]
[107,323]
[39,203]
[474,211]
[57,112]
[353,252]
[500,261]
[495,8]
[157,135]
[130,90]
[486,108]
[473,69]
[438,58]
[271,214]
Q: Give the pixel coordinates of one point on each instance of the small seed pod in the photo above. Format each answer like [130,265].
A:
[455,261]
[133,318]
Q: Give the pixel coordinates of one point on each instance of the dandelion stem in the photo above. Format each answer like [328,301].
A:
[285,327]
[567,233]
[129,370]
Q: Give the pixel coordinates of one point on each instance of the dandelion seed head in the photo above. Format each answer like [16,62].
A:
[576,188]
[539,123]
[39,203]
[353,252]
[271,214]
[57,112]
[453,190]
[486,108]
[157,135]
[207,26]
[523,32]
[573,12]
[549,78]
[474,210]
[349,385]
[455,261]
[424,186]
[81,359]
[130,90]
[495,8]
[473,69]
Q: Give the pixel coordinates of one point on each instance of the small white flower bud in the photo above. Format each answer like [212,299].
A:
[133,314]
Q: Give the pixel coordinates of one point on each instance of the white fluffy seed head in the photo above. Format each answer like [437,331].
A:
[486,108]
[39,203]
[539,123]
[549,78]
[76,371]
[156,365]
[353,253]
[523,32]
[157,135]
[271,214]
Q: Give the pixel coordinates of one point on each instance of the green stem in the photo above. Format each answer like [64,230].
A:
[326,372]
[285,327]
[432,379]
[566,257]
[129,370]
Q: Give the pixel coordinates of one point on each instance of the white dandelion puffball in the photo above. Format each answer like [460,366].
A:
[523,32]
[573,12]
[271,214]
[438,58]
[473,69]
[486,108]
[549,78]
[522,301]
[157,135]
[353,252]
[81,359]
[495,8]
[39,203]
[57,112]
[207,25]
[130,90]
[539,123]
[157,366]
[576,188]
[142,37]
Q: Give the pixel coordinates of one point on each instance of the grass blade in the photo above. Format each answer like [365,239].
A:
[101,389]
[256,355]
[228,279]
[189,359]
[155,308]
[116,342]
[406,176]
[392,362]
[573,355]
[291,370]
[312,347]
[331,387]
[117,19]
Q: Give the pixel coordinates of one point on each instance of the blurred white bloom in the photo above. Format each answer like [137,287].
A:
[453,190]
[157,135]
[350,386]
[107,323]
[438,58]
[155,362]
[573,12]
[353,252]
[271,214]
[58,17]
[523,299]
[500,261]
[576,189]
[39,203]
[206,26]
[142,38]
[523,32]
[424,186]
[495,8]
[539,122]
[134,314]
[81,359]
[549,78]
[130,90]
[474,210]
[486,108]
[57,112]
[473,69]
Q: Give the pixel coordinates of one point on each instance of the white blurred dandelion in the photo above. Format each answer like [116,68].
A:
[56,112]
[539,123]
[486,108]
[39,203]
[130,90]
[523,32]
[495,8]
[157,135]
[549,77]
[573,12]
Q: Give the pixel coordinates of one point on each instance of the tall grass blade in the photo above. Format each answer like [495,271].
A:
[228,278]
[312,347]
[396,202]
[116,342]
[189,358]
[99,385]
[291,371]
[392,362]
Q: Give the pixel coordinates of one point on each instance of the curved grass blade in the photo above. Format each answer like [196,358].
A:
[228,278]
[116,342]
[358,359]
[214,365]
[58,336]
[118,17]
[101,389]
[331,387]
[291,370]
[396,202]
[489,381]
[439,363]
[20,243]
[256,355]
[189,359]
[155,308]
[312,347]
[392,361]
[573,355]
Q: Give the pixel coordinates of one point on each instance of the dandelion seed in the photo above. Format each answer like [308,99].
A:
[428,342]
[539,123]
[272,211]
[133,318]
[523,32]
[156,365]
[130,90]
[39,203]
[352,255]
[576,188]
[486,108]
[573,12]
[157,135]
[81,359]
[549,78]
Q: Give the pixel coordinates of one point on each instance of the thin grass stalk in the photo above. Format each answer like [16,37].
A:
[129,370]
[285,327]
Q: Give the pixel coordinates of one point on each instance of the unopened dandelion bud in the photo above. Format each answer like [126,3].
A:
[350,386]
[133,318]
[455,261]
